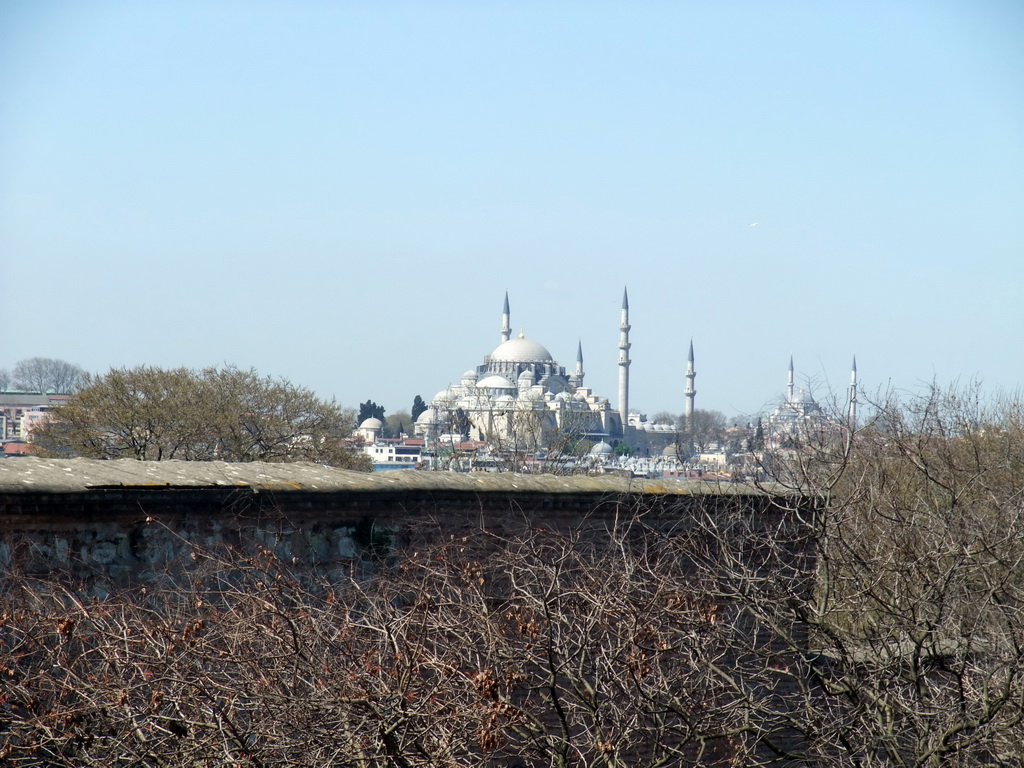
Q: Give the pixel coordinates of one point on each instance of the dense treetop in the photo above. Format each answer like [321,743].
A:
[229,414]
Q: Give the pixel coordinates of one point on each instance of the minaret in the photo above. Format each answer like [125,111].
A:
[624,361]
[789,387]
[690,390]
[853,394]
[506,330]
[576,380]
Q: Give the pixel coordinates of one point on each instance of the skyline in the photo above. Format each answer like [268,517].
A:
[342,194]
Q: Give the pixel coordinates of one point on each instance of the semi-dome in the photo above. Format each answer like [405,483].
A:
[495,381]
[521,350]
[446,396]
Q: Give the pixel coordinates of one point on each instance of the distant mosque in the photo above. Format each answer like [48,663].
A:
[800,414]
[520,397]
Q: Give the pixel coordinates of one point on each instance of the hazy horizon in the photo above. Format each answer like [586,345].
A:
[342,193]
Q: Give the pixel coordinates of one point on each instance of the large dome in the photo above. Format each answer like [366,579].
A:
[521,351]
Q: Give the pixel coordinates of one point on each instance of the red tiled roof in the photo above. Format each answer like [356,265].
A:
[17,449]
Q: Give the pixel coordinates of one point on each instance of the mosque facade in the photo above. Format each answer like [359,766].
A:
[519,398]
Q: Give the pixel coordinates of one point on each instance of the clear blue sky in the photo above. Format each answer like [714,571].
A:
[341,192]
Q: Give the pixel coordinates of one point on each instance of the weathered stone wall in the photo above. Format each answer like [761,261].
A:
[126,535]
[100,521]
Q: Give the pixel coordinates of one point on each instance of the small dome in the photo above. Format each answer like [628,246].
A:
[601,449]
[521,350]
[372,423]
[670,450]
[429,416]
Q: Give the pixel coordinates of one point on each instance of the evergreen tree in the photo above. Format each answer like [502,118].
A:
[418,407]
[370,410]
[461,424]
[757,443]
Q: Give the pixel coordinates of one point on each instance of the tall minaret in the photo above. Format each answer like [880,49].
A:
[577,378]
[853,394]
[506,330]
[624,361]
[690,390]
[789,387]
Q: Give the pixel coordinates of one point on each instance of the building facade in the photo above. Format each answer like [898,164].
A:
[521,398]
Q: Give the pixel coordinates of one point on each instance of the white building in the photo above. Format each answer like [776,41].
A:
[519,398]
[799,415]
[387,453]
[393,454]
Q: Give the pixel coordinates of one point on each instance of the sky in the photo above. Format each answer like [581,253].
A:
[341,193]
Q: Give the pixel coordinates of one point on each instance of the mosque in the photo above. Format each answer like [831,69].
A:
[799,414]
[520,398]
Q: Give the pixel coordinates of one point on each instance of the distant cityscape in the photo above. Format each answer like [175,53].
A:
[520,410]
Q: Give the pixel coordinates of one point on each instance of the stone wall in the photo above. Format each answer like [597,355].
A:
[100,521]
[123,535]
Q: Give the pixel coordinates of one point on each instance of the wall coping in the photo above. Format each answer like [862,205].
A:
[31,475]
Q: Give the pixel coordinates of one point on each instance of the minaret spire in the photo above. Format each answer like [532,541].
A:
[506,329]
[853,394]
[576,380]
[690,392]
[624,361]
[789,386]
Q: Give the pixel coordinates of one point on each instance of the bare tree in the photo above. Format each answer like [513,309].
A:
[44,374]
[5,378]
[583,647]
[866,609]
[700,429]
[665,417]
[916,622]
